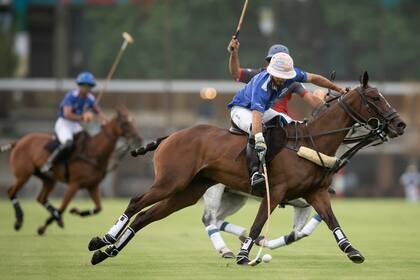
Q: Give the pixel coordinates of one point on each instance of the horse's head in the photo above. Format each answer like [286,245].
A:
[376,111]
[123,126]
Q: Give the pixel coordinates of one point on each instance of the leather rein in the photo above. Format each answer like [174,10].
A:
[375,126]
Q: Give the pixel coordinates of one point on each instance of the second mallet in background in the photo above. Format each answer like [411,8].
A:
[127,40]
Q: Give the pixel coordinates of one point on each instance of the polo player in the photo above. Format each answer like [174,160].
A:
[74,108]
[251,106]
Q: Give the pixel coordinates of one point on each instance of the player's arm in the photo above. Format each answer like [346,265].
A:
[98,111]
[234,66]
[323,82]
[68,114]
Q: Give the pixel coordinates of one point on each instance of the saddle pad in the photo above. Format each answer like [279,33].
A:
[311,155]
[52,144]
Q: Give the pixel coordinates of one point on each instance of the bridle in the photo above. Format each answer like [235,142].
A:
[122,151]
[376,126]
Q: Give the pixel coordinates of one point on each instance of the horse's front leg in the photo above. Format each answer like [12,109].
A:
[320,200]
[276,195]
[95,195]
[56,214]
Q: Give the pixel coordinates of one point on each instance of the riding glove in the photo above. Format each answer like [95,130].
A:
[260,145]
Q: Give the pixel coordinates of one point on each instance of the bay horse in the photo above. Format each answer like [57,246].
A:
[189,161]
[85,168]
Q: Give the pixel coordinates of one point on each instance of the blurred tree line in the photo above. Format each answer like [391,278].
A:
[187,39]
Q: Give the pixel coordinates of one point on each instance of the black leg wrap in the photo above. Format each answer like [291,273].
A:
[345,246]
[290,238]
[108,239]
[342,241]
[111,251]
[18,214]
[124,239]
[53,211]
[242,257]
[18,211]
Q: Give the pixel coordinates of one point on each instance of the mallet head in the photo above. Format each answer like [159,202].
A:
[127,37]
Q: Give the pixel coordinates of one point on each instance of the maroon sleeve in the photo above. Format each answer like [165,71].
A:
[298,88]
[246,74]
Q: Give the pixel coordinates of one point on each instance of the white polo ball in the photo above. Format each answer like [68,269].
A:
[267,258]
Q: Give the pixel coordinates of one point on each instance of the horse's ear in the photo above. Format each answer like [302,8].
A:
[365,79]
[122,110]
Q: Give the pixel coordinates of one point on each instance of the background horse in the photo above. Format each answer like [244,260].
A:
[190,161]
[85,169]
[221,202]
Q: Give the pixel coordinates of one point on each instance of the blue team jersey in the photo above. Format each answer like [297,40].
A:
[260,93]
[77,103]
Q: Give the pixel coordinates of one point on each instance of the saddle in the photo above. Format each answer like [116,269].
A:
[78,147]
[274,135]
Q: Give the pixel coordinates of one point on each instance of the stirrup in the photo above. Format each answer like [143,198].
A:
[46,168]
[257,180]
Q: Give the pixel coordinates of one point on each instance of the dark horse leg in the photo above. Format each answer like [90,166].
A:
[160,210]
[320,200]
[47,187]
[276,195]
[12,191]
[56,214]
[162,188]
[95,195]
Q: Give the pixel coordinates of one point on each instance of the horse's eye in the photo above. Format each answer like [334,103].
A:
[376,98]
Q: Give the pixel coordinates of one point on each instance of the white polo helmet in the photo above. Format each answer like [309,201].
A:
[281,66]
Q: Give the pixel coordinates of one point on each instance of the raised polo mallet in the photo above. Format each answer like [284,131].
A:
[127,40]
[241,19]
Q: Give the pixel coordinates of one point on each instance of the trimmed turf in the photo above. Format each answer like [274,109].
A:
[387,232]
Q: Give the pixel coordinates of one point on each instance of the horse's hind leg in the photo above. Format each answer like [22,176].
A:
[160,210]
[135,205]
[320,200]
[217,208]
[12,192]
[212,203]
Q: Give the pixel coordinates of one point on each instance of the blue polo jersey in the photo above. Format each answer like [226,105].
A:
[77,103]
[260,93]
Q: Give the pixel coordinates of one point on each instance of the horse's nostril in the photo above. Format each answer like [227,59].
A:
[401,125]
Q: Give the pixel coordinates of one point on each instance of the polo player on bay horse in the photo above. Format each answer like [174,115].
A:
[72,111]
[251,106]
[220,203]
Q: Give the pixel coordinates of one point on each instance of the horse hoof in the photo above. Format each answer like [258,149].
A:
[242,259]
[41,231]
[60,223]
[228,255]
[96,243]
[98,257]
[18,225]
[356,257]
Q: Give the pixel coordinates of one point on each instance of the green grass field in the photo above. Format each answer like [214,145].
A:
[387,232]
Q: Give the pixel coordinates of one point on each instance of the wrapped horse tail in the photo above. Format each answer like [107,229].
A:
[148,147]
[7,147]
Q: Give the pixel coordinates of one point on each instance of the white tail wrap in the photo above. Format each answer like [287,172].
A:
[311,155]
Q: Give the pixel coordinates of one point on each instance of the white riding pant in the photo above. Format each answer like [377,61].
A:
[65,129]
[242,117]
